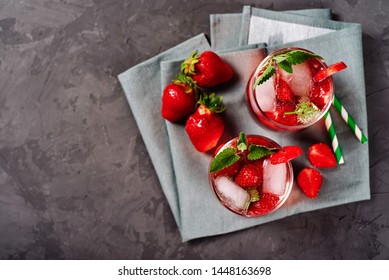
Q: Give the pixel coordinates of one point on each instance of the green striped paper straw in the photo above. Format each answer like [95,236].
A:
[349,120]
[334,139]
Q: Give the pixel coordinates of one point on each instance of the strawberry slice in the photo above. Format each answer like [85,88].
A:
[285,155]
[320,155]
[319,93]
[283,91]
[330,70]
[309,181]
[265,204]
[249,176]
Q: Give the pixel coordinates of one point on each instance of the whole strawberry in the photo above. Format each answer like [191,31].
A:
[178,100]
[207,69]
[205,126]
[249,176]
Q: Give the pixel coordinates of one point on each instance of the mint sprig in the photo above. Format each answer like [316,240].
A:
[229,156]
[224,159]
[305,111]
[284,60]
[258,151]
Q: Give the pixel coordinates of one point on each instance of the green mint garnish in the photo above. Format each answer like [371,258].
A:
[266,75]
[229,156]
[224,159]
[305,111]
[257,152]
[284,60]
[242,142]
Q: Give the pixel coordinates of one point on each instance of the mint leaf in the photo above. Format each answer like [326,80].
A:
[286,66]
[266,75]
[224,159]
[299,56]
[242,142]
[257,152]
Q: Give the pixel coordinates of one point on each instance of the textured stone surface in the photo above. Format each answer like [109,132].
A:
[76,181]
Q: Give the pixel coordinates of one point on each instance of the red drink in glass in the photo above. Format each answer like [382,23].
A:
[272,190]
[278,101]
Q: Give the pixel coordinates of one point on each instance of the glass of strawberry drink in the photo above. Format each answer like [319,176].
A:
[285,91]
[248,178]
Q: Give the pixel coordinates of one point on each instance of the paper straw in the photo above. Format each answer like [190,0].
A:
[334,139]
[349,120]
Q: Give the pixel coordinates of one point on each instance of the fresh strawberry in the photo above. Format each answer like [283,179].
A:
[249,176]
[207,69]
[319,93]
[178,100]
[285,155]
[264,205]
[283,92]
[229,171]
[310,180]
[205,126]
[320,155]
[330,70]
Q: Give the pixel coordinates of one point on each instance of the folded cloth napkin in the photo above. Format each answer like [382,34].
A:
[183,171]
[225,28]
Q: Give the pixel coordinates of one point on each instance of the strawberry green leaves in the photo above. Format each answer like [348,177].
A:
[229,156]
[284,60]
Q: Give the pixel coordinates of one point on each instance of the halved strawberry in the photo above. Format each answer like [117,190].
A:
[265,204]
[310,180]
[249,176]
[330,70]
[285,155]
[320,155]
[283,91]
[319,93]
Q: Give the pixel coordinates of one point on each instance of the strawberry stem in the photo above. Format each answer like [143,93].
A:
[212,102]
[188,66]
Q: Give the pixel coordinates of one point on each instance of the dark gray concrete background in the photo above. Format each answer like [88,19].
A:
[76,181]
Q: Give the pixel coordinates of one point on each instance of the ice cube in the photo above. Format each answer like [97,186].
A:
[274,178]
[300,81]
[266,95]
[232,194]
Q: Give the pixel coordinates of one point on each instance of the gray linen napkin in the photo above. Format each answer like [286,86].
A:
[226,28]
